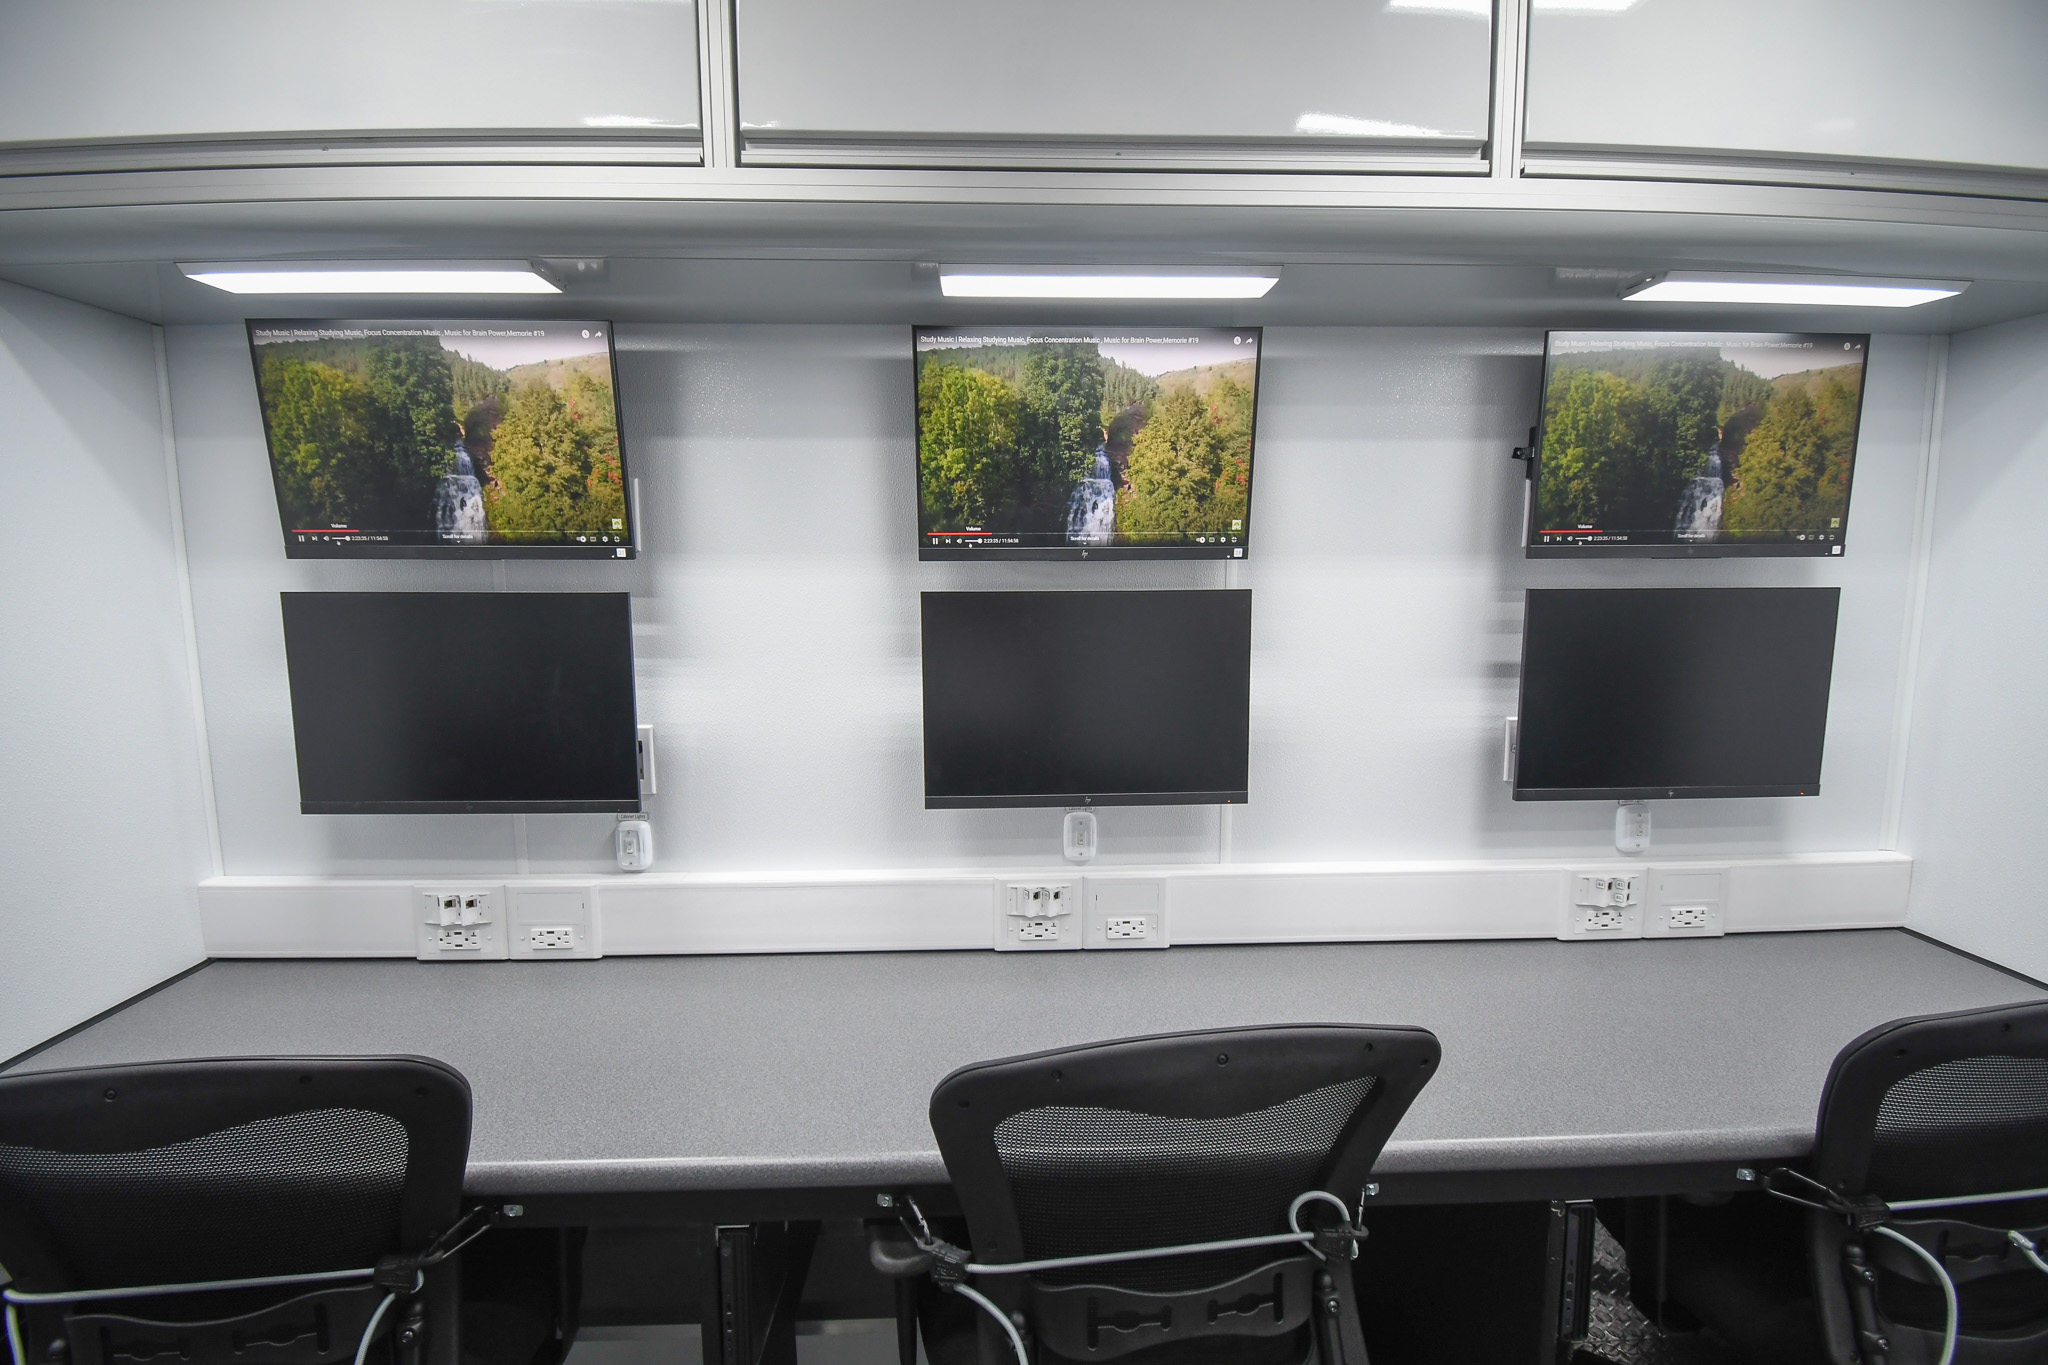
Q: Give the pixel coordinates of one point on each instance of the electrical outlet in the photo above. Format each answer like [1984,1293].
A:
[1604,905]
[1125,912]
[458,923]
[1036,917]
[1685,902]
[553,921]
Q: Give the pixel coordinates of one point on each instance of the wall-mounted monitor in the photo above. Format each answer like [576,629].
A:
[1085,442]
[1086,698]
[423,702]
[1634,693]
[406,439]
[1684,444]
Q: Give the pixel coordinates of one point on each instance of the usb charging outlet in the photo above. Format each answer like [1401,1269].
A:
[552,937]
[1127,926]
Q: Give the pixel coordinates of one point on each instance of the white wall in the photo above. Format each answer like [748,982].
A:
[1976,810]
[101,815]
[776,618]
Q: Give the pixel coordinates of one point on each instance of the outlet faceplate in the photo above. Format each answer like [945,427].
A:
[1686,902]
[1125,912]
[1605,905]
[458,922]
[1036,917]
[553,922]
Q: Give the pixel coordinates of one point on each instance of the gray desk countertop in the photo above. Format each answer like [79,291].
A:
[708,1073]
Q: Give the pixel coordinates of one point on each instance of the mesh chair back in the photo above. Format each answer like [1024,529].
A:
[1925,1108]
[1940,1104]
[178,1172]
[1179,1138]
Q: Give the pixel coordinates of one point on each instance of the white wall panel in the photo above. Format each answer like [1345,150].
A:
[1976,810]
[115,70]
[102,824]
[905,71]
[1894,80]
[775,604]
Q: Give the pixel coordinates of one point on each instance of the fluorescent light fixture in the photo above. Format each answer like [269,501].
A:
[374,277]
[1822,291]
[1343,125]
[1013,282]
[1470,9]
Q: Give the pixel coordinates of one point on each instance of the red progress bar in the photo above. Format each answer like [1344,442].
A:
[325,530]
[959,533]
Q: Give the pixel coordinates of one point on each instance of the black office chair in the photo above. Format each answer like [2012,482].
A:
[1933,1108]
[1145,1143]
[343,1175]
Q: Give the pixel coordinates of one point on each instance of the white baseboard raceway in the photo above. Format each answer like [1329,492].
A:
[656,913]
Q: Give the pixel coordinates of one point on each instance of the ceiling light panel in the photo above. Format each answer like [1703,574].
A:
[983,283]
[309,278]
[1816,291]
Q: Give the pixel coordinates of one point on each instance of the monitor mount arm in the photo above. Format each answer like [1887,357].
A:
[1527,455]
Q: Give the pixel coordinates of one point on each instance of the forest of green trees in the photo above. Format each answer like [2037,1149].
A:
[1006,434]
[363,432]
[1625,434]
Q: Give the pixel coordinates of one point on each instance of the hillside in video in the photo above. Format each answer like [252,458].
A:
[496,433]
[1699,442]
[1086,439]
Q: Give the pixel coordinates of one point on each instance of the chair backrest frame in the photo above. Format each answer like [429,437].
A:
[139,1107]
[1848,1156]
[1198,1074]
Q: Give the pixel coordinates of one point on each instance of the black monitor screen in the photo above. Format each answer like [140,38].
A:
[1633,693]
[1681,444]
[416,702]
[396,439]
[1085,442]
[1086,698]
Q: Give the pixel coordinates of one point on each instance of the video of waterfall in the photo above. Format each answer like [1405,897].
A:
[466,439]
[1085,443]
[1696,443]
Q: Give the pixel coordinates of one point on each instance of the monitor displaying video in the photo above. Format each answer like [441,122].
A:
[1085,442]
[1680,444]
[403,439]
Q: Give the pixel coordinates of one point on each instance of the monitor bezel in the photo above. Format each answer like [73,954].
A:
[1079,799]
[329,550]
[1533,475]
[586,806]
[928,553]
[1087,800]
[1661,793]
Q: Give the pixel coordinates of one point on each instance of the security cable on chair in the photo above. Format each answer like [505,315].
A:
[397,1276]
[950,1264]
